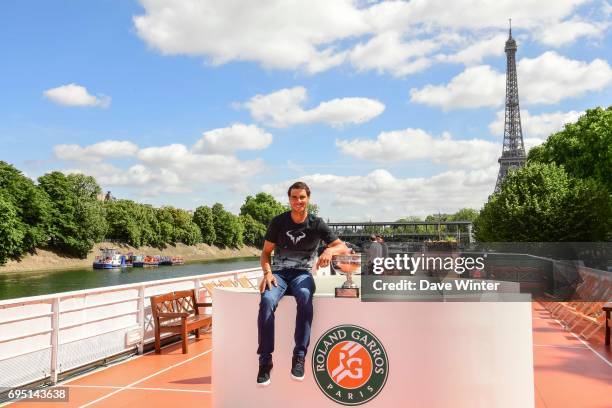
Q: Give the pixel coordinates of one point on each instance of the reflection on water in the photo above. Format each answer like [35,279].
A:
[21,284]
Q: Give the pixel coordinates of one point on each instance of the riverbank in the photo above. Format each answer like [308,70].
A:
[48,260]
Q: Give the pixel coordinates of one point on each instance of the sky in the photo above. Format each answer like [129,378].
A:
[386,109]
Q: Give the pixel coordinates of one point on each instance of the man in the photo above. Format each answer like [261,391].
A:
[294,237]
[374,251]
[384,249]
[383,245]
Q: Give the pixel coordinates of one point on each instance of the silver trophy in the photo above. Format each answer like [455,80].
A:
[348,265]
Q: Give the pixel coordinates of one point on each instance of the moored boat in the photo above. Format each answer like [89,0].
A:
[109,258]
[129,260]
[177,260]
[138,261]
[151,261]
[165,260]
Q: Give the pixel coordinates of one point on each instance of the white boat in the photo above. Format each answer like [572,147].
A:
[108,259]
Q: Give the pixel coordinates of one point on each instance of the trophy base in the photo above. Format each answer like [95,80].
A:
[347,292]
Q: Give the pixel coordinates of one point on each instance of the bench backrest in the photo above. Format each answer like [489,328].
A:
[182,301]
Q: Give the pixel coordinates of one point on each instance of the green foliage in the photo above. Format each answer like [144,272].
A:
[165,222]
[262,208]
[313,209]
[541,203]
[78,219]
[140,224]
[85,187]
[583,148]
[203,218]
[254,232]
[64,213]
[410,218]
[12,231]
[228,228]
[465,214]
[185,230]
[122,222]
[150,228]
[31,205]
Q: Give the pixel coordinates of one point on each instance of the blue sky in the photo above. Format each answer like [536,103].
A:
[386,109]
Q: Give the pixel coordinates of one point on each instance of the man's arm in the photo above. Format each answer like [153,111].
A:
[337,247]
[268,279]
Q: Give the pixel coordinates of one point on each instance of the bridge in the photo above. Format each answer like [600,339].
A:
[410,231]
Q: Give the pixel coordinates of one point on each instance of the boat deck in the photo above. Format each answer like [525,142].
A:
[568,372]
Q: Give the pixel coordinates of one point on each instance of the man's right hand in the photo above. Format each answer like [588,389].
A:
[268,280]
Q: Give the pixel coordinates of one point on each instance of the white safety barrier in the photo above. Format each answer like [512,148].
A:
[44,336]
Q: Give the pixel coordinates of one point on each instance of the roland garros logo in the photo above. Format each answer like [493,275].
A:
[350,364]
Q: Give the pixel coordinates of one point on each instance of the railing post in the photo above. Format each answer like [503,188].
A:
[196,286]
[141,318]
[54,339]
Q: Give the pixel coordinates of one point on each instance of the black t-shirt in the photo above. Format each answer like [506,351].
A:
[296,244]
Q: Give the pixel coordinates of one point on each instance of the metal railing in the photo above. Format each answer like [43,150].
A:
[44,336]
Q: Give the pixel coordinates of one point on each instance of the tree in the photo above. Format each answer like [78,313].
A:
[166,224]
[185,230]
[465,214]
[228,229]
[12,231]
[122,222]
[31,204]
[78,218]
[254,232]
[85,186]
[542,203]
[583,148]
[146,218]
[203,218]
[262,208]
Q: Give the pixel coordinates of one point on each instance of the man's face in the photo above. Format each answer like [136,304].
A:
[298,199]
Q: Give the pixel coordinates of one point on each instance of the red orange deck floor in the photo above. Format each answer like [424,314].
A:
[568,373]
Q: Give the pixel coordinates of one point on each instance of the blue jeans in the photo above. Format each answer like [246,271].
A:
[300,284]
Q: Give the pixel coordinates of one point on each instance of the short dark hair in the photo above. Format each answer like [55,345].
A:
[299,185]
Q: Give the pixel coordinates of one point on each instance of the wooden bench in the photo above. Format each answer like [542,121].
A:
[177,312]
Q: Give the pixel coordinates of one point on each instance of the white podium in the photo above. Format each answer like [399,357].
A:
[456,354]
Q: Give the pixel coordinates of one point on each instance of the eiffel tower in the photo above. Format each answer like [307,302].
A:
[513,152]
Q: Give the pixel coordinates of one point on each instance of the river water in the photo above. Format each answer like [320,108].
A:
[21,284]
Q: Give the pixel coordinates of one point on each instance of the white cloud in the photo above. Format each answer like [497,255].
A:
[316,35]
[566,32]
[537,126]
[283,108]
[236,137]
[546,79]
[387,52]
[475,52]
[364,195]
[416,144]
[281,34]
[172,168]
[96,152]
[76,95]
[551,77]
[471,14]
[475,87]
